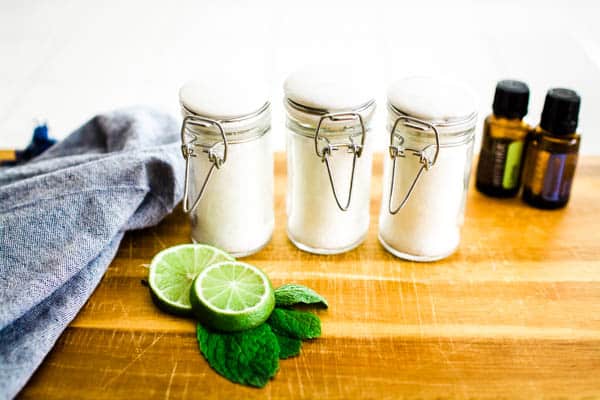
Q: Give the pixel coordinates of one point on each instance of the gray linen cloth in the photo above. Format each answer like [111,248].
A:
[62,217]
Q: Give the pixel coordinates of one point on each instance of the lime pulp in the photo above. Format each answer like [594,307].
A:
[173,270]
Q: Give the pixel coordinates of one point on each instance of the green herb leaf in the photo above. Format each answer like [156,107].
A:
[249,357]
[295,324]
[292,293]
[289,347]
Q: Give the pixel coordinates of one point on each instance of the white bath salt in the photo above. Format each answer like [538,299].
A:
[316,222]
[314,218]
[428,227]
[235,212]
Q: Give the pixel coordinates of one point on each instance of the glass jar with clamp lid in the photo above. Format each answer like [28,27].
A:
[426,175]
[229,164]
[329,112]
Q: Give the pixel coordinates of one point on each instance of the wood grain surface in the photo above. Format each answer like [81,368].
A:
[515,313]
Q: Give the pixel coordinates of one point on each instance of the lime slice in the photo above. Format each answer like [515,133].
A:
[232,296]
[173,270]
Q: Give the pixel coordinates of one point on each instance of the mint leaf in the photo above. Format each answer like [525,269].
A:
[289,347]
[292,293]
[295,324]
[249,357]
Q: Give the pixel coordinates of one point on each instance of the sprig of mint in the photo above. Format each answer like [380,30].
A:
[288,347]
[291,294]
[295,324]
[251,357]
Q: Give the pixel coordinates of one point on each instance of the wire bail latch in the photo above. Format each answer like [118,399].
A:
[352,147]
[188,149]
[397,149]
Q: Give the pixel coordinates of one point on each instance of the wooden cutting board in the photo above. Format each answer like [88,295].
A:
[515,313]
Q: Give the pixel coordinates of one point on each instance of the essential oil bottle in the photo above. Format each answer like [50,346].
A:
[552,150]
[504,135]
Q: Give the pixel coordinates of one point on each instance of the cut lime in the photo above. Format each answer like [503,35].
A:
[232,296]
[173,270]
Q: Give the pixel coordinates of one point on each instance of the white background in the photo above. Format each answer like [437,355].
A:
[64,61]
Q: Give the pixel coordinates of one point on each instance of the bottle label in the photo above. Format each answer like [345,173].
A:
[500,162]
[538,172]
[512,166]
[557,183]
[552,175]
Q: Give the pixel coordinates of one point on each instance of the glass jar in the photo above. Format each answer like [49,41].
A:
[329,161]
[426,176]
[229,168]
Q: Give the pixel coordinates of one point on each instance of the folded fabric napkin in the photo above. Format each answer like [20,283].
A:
[62,217]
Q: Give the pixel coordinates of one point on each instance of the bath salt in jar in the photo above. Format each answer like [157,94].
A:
[426,175]
[229,164]
[329,158]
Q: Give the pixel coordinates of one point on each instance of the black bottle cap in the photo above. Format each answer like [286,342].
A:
[561,111]
[511,99]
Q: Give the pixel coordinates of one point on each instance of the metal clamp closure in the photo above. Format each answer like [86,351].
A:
[352,147]
[188,151]
[397,149]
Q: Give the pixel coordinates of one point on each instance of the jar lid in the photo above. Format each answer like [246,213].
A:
[314,91]
[443,103]
[223,98]
[329,87]
[240,106]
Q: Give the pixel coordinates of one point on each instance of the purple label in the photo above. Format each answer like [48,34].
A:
[554,179]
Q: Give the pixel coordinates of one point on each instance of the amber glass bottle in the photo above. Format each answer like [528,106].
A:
[552,150]
[504,134]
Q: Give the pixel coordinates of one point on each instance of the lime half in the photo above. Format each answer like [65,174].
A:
[232,296]
[173,270]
